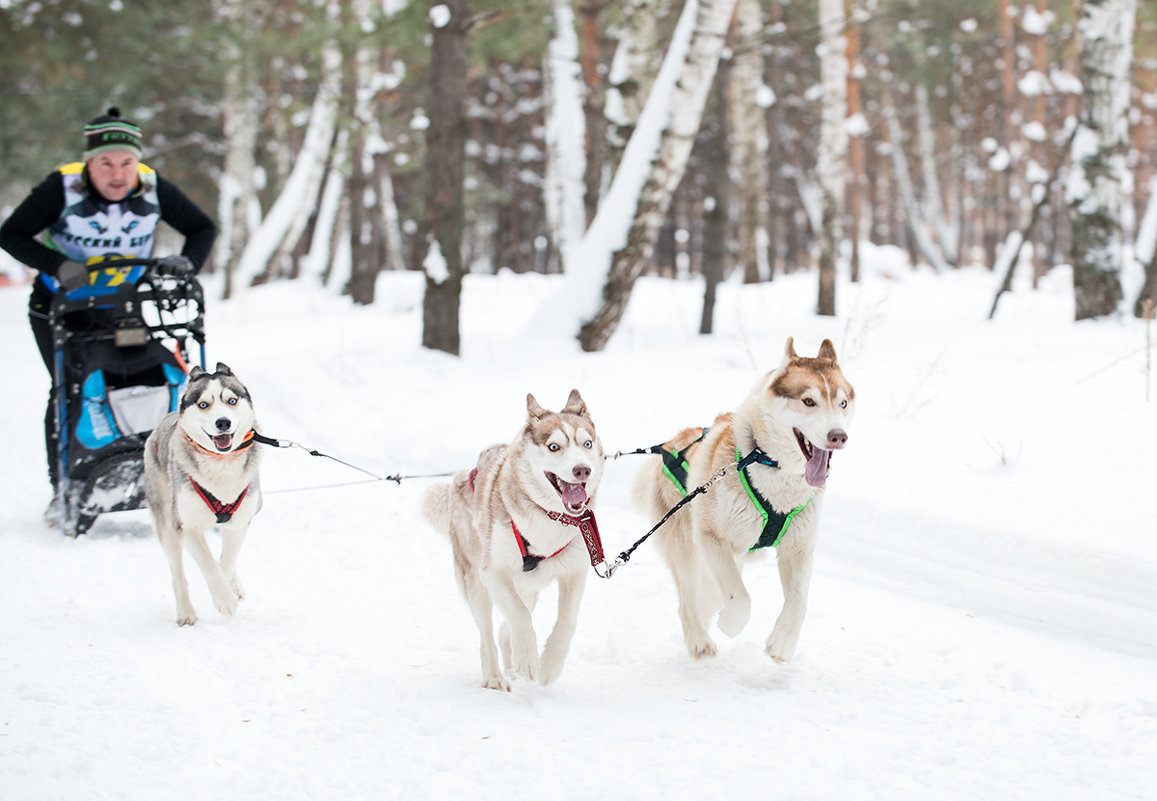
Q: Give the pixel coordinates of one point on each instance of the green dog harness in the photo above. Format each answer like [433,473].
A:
[775,523]
[675,466]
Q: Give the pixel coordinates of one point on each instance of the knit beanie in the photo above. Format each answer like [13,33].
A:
[111,132]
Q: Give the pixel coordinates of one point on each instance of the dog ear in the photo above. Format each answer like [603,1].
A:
[789,349]
[575,404]
[196,372]
[827,351]
[535,411]
[223,369]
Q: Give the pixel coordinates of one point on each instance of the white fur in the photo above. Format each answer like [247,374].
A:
[708,545]
[512,484]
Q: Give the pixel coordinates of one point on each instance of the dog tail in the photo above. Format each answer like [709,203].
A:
[436,508]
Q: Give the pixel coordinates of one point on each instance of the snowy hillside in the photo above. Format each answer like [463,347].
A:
[983,621]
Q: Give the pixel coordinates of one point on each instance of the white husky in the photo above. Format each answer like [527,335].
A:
[792,420]
[200,472]
[516,522]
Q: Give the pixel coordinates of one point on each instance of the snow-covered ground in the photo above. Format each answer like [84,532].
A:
[983,620]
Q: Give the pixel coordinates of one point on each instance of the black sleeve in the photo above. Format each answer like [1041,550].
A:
[187,218]
[35,213]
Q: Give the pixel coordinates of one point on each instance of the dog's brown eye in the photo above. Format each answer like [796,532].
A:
[808,402]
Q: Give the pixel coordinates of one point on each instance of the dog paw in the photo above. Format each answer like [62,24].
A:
[526,664]
[496,683]
[701,648]
[187,620]
[780,646]
[736,612]
[226,604]
[237,586]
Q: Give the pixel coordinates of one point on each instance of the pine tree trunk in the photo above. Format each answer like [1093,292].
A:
[1099,155]
[750,130]
[686,111]
[714,149]
[444,218]
[833,149]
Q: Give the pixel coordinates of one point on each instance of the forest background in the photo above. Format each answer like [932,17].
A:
[338,138]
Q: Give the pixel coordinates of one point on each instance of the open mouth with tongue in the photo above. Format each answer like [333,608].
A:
[815,472]
[574,496]
[222,441]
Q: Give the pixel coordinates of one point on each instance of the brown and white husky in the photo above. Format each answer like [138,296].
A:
[516,522]
[792,421]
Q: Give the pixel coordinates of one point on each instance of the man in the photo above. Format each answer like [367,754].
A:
[108,205]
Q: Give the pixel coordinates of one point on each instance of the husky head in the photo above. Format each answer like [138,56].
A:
[216,410]
[562,459]
[802,411]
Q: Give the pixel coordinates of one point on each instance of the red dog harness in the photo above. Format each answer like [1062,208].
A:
[585,523]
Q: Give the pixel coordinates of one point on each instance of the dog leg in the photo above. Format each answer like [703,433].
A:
[223,596]
[523,643]
[481,606]
[570,592]
[795,571]
[688,579]
[231,538]
[171,544]
[720,562]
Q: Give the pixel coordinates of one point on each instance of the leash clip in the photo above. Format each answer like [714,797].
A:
[609,568]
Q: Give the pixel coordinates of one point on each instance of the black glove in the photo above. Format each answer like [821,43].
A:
[72,275]
[176,266]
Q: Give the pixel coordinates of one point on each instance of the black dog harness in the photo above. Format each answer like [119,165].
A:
[775,523]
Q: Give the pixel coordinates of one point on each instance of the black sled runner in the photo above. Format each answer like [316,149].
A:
[121,346]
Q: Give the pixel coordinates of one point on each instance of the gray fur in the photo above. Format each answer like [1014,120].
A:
[182,449]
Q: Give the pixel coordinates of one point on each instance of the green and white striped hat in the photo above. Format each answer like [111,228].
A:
[111,132]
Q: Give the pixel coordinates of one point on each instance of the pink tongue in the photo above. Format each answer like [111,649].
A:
[222,441]
[573,495]
[816,470]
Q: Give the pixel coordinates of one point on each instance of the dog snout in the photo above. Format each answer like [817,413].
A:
[581,473]
[837,438]
[223,424]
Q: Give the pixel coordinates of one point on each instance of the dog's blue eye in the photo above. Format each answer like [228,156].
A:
[588,444]
[203,405]
[843,404]
[554,446]
[232,401]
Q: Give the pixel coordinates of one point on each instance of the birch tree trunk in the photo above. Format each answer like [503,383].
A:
[301,187]
[694,80]
[565,131]
[750,151]
[239,112]
[833,148]
[632,73]
[923,242]
[444,217]
[1099,155]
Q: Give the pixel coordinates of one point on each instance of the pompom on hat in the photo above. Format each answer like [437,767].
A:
[111,132]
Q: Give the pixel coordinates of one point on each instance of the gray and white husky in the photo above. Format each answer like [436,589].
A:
[200,472]
[795,416]
[514,525]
